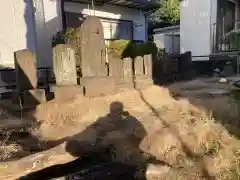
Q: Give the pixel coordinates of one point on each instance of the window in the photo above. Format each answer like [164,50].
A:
[229,18]
[226,16]
[113,29]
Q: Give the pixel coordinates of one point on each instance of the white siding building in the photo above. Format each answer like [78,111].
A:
[204,23]
[168,38]
[32,23]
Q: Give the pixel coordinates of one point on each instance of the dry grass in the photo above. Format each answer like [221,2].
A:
[198,137]
[180,132]
[8,149]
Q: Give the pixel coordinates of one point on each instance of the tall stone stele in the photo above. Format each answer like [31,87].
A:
[92,48]
[64,65]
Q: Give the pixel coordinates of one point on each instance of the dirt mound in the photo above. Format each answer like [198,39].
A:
[56,115]
[184,136]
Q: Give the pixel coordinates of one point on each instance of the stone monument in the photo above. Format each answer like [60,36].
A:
[26,73]
[64,68]
[64,65]
[92,48]
[143,71]
[26,79]
[95,79]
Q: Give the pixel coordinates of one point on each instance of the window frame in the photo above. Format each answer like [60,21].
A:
[65,26]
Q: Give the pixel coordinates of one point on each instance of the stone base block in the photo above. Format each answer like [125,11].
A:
[124,87]
[34,96]
[98,86]
[66,92]
[142,82]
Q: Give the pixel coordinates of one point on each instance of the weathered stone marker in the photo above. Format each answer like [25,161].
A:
[143,71]
[127,69]
[138,66]
[26,73]
[64,65]
[92,48]
[26,79]
[148,65]
[115,67]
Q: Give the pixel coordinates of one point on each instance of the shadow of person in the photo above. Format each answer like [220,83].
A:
[111,143]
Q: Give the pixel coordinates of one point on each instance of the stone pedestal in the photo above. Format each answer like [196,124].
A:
[124,86]
[66,92]
[98,86]
[142,82]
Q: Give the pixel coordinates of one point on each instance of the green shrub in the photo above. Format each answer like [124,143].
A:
[68,37]
[63,37]
[120,48]
[127,48]
[233,37]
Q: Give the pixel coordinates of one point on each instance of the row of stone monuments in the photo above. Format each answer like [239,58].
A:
[121,74]
[97,77]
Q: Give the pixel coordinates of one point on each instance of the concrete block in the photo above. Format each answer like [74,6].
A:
[66,92]
[142,82]
[98,86]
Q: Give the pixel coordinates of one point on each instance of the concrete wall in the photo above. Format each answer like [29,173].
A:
[195,27]
[32,24]
[17,29]
[113,12]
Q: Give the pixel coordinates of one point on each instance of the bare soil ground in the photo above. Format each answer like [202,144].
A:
[194,132]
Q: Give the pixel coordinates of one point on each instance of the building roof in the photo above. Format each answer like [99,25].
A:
[145,5]
[167,29]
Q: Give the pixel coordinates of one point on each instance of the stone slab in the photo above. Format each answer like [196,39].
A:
[64,65]
[26,72]
[148,65]
[142,82]
[121,87]
[98,86]
[34,96]
[115,67]
[66,92]
[139,66]
[127,69]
